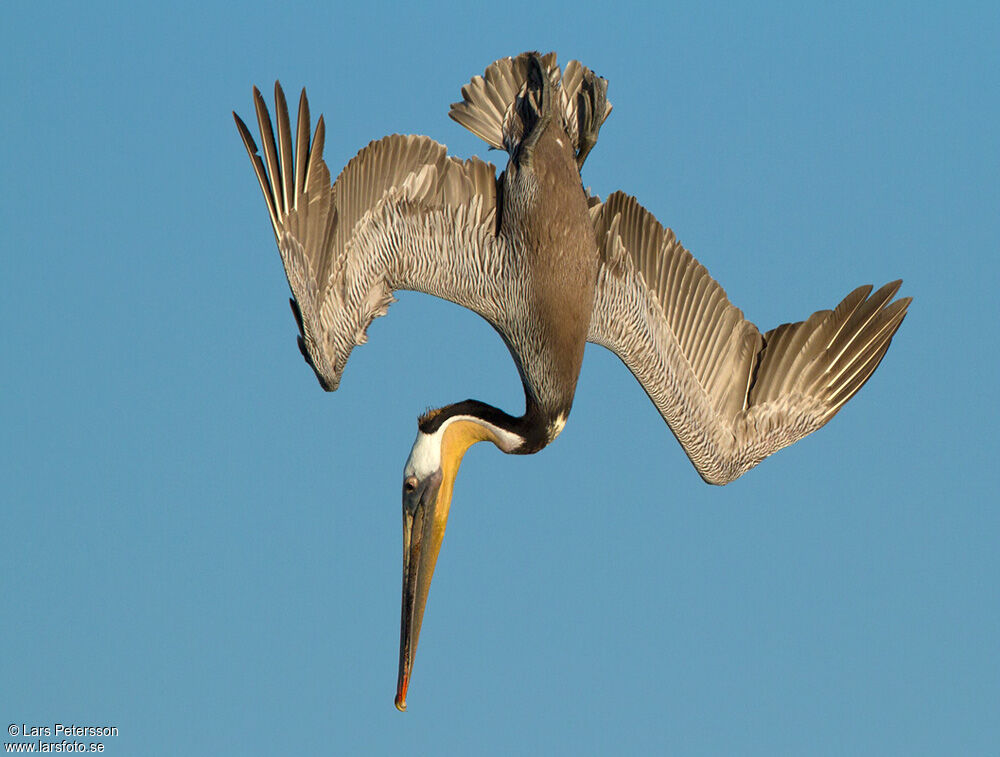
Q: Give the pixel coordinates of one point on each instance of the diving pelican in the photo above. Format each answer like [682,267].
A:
[551,268]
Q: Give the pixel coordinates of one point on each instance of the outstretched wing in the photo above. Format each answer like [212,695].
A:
[401,215]
[730,395]
[487,107]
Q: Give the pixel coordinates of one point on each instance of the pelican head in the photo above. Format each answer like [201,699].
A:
[428,483]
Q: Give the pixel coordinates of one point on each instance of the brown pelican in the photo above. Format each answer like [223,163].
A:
[550,268]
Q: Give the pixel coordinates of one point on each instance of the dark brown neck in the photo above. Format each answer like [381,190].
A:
[532,428]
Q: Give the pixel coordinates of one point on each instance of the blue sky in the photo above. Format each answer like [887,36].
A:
[202,548]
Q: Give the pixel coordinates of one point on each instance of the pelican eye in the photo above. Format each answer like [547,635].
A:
[410,484]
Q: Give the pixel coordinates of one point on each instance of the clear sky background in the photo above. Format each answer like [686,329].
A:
[202,548]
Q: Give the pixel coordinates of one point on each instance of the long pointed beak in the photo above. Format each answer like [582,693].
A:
[425,515]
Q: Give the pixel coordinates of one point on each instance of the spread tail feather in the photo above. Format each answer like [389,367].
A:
[490,105]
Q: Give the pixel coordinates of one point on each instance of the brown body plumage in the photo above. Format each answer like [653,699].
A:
[559,268]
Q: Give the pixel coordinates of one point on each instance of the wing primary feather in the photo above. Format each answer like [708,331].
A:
[301,148]
[316,152]
[843,312]
[284,146]
[882,329]
[860,378]
[848,377]
[863,315]
[259,170]
[270,150]
[297,312]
